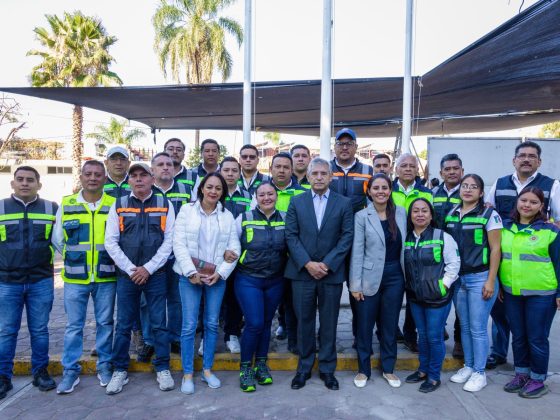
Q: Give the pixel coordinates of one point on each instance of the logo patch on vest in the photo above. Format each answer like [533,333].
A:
[72,201]
[534,238]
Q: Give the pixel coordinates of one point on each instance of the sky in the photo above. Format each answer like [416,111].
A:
[368,41]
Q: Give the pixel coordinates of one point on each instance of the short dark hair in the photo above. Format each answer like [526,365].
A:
[380,156]
[515,216]
[249,146]
[448,158]
[174,139]
[209,141]
[230,159]
[282,155]
[265,183]
[409,224]
[529,144]
[300,146]
[200,194]
[95,163]
[30,169]
[159,155]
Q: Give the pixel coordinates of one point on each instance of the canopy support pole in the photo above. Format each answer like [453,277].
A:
[247,93]
[407,84]
[326,82]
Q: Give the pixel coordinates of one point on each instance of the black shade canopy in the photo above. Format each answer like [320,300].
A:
[509,78]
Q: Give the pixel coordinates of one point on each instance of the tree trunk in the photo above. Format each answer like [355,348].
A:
[77,146]
[196,139]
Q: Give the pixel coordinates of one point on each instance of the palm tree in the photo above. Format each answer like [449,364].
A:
[74,54]
[191,40]
[116,133]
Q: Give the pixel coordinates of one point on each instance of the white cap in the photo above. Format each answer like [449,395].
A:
[117,149]
[142,165]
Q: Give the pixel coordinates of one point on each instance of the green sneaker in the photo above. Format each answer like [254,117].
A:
[247,378]
[262,373]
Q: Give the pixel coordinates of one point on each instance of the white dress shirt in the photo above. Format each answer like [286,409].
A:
[208,234]
[112,235]
[320,204]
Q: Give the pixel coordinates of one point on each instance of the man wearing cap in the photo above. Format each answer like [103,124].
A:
[26,276]
[301,157]
[251,178]
[139,238]
[79,235]
[117,163]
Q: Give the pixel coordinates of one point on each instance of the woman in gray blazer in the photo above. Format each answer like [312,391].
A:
[376,277]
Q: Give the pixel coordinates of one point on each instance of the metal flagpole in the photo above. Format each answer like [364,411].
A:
[247,93]
[407,85]
[326,82]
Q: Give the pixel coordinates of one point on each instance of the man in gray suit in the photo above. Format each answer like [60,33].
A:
[319,233]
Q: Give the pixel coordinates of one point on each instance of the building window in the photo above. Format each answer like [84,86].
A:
[59,170]
[5,169]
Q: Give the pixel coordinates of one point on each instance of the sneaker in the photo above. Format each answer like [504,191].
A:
[145,354]
[428,386]
[457,352]
[212,380]
[118,380]
[5,386]
[69,381]
[462,375]
[201,348]
[233,344]
[533,389]
[187,386]
[104,377]
[281,333]
[43,381]
[517,383]
[476,382]
[165,380]
[360,380]
[247,381]
[262,373]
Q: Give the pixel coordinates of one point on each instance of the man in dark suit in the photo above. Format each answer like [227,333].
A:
[319,232]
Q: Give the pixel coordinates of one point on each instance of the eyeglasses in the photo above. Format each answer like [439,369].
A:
[343,144]
[250,157]
[469,187]
[522,156]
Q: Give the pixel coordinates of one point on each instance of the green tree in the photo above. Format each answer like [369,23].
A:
[423,154]
[550,130]
[274,138]
[194,158]
[116,133]
[190,39]
[74,53]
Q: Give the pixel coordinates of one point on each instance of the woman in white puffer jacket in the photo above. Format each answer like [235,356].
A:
[204,230]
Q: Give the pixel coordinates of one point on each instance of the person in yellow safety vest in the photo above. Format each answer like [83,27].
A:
[117,163]
[301,157]
[79,235]
[529,275]
[26,276]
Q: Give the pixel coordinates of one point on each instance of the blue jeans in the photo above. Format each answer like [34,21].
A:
[530,319]
[38,299]
[500,330]
[258,299]
[430,323]
[474,312]
[191,294]
[128,303]
[174,320]
[76,297]
[144,319]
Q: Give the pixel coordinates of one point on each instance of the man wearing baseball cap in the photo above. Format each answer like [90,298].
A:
[117,163]
[139,238]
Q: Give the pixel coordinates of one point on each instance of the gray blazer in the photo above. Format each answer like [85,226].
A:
[368,250]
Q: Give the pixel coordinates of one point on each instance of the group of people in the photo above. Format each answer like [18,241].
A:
[175,250]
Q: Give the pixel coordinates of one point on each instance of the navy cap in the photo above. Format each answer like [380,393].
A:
[346,132]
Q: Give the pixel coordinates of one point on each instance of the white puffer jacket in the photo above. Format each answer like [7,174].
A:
[185,240]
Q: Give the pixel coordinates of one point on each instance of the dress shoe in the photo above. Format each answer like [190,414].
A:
[429,386]
[458,351]
[175,347]
[415,378]
[329,380]
[299,380]
[493,361]
[412,346]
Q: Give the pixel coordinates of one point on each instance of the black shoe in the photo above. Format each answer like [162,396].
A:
[445,335]
[415,378]
[5,386]
[493,361]
[458,351]
[43,381]
[93,352]
[428,386]
[176,347]
[145,354]
[292,348]
[299,380]
[400,336]
[329,380]
[412,346]
[354,344]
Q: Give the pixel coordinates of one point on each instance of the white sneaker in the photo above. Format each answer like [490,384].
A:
[233,344]
[462,375]
[201,348]
[118,380]
[476,382]
[360,380]
[165,380]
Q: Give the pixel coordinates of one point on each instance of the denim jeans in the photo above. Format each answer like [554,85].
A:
[128,303]
[474,312]
[76,297]
[431,347]
[191,294]
[530,319]
[173,303]
[144,319]
[38,299]
[383,307]
[258,299]
[500,330]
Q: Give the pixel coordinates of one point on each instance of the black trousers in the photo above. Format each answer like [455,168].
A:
[231,311]
[308,296]
[286,315]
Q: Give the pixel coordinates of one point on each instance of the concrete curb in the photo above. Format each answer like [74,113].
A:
[227,361]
